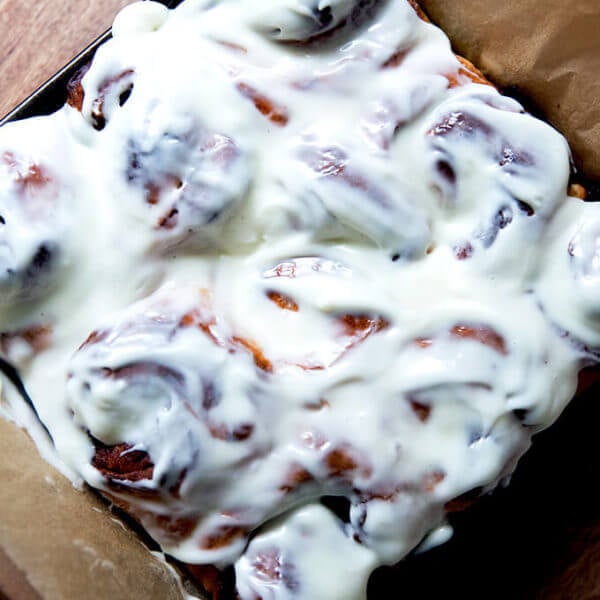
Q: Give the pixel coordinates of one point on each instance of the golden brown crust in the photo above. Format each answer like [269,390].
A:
[121,463]
[432,480]
[265,106]
[123,82]
[420,12]
[421,409]
[37,337]
[284,302]
[75,92]
[346,462]
[296,477]
[260,360]
[30,177]
[362,326]
[396,59]
[223,537]
[576,190]
[467,73]
[483,334]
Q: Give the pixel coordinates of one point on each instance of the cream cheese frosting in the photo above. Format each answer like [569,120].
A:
[273,253]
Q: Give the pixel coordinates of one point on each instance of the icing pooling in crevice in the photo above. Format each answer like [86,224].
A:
[286,254]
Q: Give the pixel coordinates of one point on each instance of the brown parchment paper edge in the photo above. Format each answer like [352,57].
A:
[66,541]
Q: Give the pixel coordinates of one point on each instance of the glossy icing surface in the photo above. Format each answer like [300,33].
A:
[272,254]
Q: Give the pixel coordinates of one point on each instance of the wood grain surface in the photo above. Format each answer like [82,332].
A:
[37,37]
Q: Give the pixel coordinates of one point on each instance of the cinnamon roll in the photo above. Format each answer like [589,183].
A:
[30,242]
[308,20]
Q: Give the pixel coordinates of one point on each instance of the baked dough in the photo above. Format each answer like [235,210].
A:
[309,283]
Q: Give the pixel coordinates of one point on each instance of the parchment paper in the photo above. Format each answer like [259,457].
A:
[548,49]
[62,544]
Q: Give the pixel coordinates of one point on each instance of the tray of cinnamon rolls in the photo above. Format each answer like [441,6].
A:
[292,285]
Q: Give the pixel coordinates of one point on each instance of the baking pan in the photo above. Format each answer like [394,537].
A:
[512,544]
